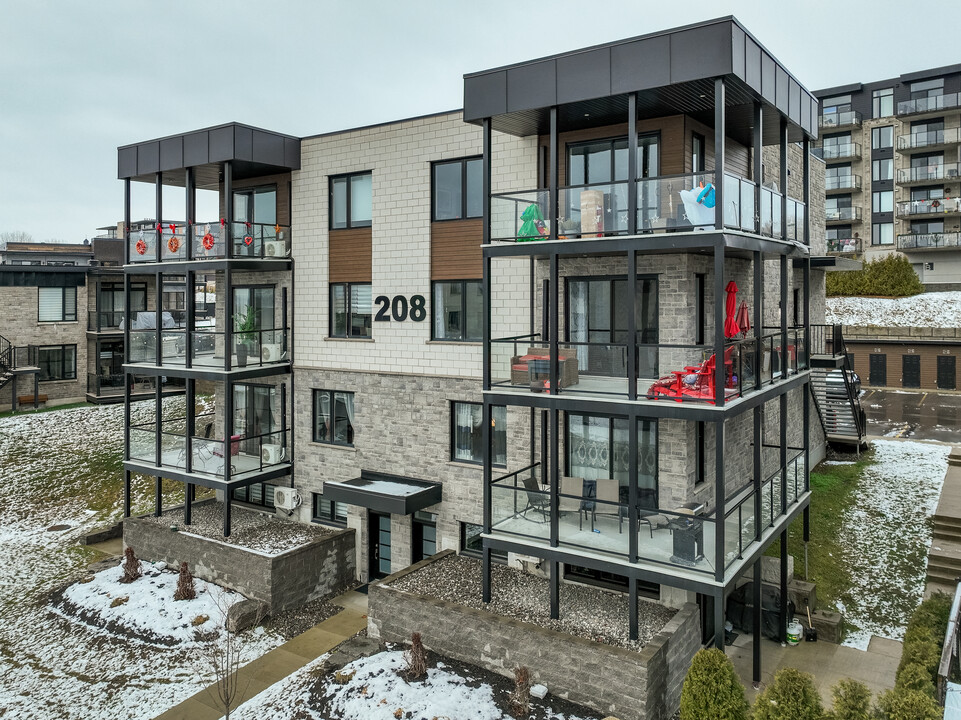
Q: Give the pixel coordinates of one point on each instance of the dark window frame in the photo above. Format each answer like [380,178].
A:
[877,96]
[418,524]
[245,492]
[333,405]
[697,158]
[463,311]
[64,375]
[64,317]
[499,556]
[876,132]
[463,184]
[348,223]
[700,453]
[452,434]
[331,517]
[349,335]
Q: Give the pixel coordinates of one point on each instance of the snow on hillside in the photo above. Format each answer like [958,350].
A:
[934,310]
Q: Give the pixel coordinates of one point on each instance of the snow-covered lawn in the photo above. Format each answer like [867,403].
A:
[376,691]
[934,310]
[886,536]
[64,468]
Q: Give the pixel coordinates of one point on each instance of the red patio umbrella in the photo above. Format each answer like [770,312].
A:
[731,328]
[744,318]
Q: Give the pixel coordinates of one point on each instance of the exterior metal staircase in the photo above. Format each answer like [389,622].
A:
[14,362]
[835,392]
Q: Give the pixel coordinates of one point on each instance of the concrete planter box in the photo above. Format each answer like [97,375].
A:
[284,581]
[609,680]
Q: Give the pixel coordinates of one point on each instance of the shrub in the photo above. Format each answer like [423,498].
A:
[416,658]
[520,699]
[915,676]
[891,276]
[711,690]
[185,584]
[920,648]
[901,704]
[852,701]
[132,569]
[791,696]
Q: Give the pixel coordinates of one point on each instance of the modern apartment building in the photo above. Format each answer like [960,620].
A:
[892,180]
[514,336]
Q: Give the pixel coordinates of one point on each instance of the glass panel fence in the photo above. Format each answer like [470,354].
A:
[143,246]
[592,210]
[678,203]
[520,216]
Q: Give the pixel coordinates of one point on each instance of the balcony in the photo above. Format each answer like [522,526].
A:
[107,387]
[846,151]
[918,242]
[837,216]
[931,140]
[211,241]
[844,246]
[842,183]
[926,208]
[682,373]
[677,203]
[936,104]
[928,174]
[520,512]
[838,120]
[265,347]
[104,320]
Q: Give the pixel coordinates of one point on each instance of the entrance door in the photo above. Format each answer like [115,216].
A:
[946,372]
[878,370]
[911,371]
[379,541]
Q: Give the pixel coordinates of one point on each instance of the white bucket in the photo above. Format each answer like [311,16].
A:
[794,631]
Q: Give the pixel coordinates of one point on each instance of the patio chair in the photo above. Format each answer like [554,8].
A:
[608,502]
[573,488]
[203,449]
[536,499]
[694,381]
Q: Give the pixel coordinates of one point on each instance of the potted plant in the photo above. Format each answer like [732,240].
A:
[245,333]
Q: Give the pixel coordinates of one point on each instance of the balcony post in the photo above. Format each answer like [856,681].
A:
[554,323]
[807,438]
[758,162]
[806,273]
[190,400]
[486,269]
[191,200]
[782,136]
[633,630]
[555,590]
[758,318]
[632,326]
[785,355]
[632,165]
[228,443]
[190,279]
[719,369]
[632,500]
[719,508]
[719,134]
[756,625]
[758,468]
[126,493]
[555,479]
[782,610]
[719,618]
[228,207]
[488,460]
[126,221]
[228,319]
[552,210]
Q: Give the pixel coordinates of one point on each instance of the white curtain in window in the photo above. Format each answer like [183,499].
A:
[578,315]
[51,304]
[349,406]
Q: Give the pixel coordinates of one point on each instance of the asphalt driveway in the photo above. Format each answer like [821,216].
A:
[918,415]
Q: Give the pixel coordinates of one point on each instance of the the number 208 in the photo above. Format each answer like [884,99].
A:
[399,309]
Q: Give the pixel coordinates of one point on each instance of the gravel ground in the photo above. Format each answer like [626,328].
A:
[588,612]
[248,528]
[292,623]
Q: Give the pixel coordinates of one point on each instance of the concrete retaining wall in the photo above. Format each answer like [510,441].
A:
[610,680]
[312,571]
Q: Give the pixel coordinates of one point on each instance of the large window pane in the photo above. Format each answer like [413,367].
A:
[474,192]
[499,435]
[474,304]
[338,310]
[448,194]
[360,310]
[467,442]
[448,323]
[323,427]
[360,199]
[338,202]
[333,417]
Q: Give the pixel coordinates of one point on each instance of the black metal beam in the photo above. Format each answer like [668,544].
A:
[719,495]
[782,614]
[555,582]
[179,267]
[633,629]
[632,324]
[554,176]
[632,164]
[719,364]
[719,144]
[756,602]
[216,375]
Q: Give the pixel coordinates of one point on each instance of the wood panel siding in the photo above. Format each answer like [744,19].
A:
[737,156]
[929,354]
[455,252]
[281,182]
[350,255]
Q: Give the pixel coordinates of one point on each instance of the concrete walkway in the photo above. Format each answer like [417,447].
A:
[826,662]
[280,662]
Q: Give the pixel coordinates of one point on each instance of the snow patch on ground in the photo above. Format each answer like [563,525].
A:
[934,310]
[887,535]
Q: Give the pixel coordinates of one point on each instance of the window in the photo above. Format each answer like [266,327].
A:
[837,104]
[700,303]
[472,544]
[882,170]
[699,453]
[697,152]
[883,102]
[882,234]
[882,137]
[57,362]
[350,310]
[350,201]
[261,494]
[919,194]
[333,417]
[458,310]
[57,304]
[927,89]
[327,511]
[882,201]
[457,189]
[466,433]
[424,535]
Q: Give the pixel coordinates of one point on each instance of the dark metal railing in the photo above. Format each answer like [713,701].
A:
[929,104]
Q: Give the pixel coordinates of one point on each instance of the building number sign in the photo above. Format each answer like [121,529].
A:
[399,309]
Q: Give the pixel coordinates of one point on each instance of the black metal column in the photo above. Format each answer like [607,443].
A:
[190,306]
[758,318]
[488,459]
[228,442]
[758,170]
[756,624]
[486,270]
[126,346]
[554,177]
[719,495]
[228,319]
[719,619]
[719,367]
[633,521]
[783,175]
[782,615]
[190,190]
[632,325]
[631,168]
[555,590]
[758,467]
[719,145]
[555,478]
[633,628]
[555,324]
[229,207]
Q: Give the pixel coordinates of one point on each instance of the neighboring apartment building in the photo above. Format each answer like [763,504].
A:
[892,181]
[446,356]
[47,254]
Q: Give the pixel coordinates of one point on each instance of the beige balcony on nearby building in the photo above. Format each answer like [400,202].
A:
[929,140]
[842,215]
[844,151]
[928,174]
[944,207]
[837,120]
[917,242]
[842,183]
[930,105]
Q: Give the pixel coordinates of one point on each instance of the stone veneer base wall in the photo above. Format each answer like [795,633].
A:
[322,567]
[643,685]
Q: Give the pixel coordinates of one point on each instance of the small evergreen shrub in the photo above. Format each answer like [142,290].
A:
[901,704]
[852,701]
[921,649]
[791,696]
[924,636]
[712,690]
[890,276]
[185,584]
[915,676]
[132,569]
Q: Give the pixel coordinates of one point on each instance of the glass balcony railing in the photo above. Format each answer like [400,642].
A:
[929,173]
[842,182]
[930,138]
[111,384]
[839,119]
[267,346]
[929,241]
[98,320]
[844,246]
[677,203]
[929,104]
[844,214]
[938,206]
[844,151]
[211,241]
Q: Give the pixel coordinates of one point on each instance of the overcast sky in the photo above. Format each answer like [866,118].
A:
[78,79]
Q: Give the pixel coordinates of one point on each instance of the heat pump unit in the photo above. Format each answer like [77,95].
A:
[275,248]
[271,352]
[272,454]
[286,498]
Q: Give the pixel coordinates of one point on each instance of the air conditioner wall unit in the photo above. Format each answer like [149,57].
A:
[271,352]
[275,248]
[286,499]
[272,454]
